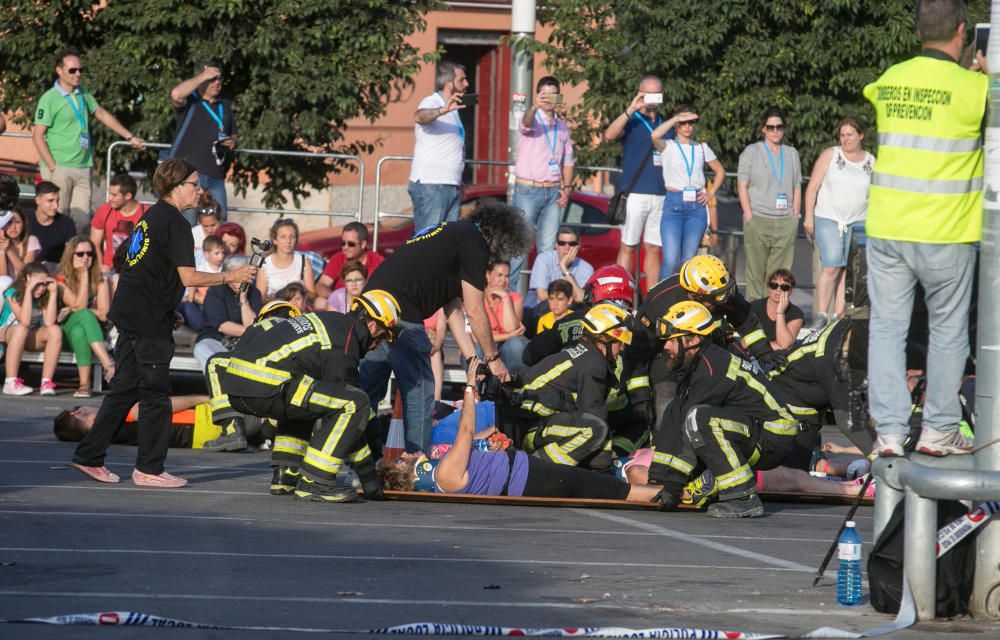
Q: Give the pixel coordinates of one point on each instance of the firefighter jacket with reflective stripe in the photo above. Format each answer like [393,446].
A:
[927,185]
[646,345]
[577,378]
[813,377]
[721,379]
[325,345]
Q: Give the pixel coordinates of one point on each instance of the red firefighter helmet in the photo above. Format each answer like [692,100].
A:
[611,283]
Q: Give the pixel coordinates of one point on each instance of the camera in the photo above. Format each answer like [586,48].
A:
[489,387]
[470,99]
[652,98]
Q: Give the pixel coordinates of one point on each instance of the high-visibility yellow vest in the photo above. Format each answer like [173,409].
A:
[928,180]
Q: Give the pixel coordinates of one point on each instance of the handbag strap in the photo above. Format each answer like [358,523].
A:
[642,165]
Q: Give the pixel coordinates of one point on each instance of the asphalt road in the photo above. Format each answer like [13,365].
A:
[223,551]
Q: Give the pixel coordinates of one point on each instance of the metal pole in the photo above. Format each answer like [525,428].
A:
[986,589]
[522,18]
[919,557]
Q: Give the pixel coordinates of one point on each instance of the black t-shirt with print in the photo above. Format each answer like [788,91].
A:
[427,272]
[53,237]
[149,288]
[759,308]
[202,131]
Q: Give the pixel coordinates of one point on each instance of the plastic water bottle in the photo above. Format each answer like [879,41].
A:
[849,573]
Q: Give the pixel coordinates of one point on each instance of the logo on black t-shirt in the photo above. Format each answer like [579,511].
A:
[427,232]
[138,245]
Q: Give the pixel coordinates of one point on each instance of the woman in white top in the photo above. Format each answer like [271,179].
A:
[836,204]
[685,215]
[285,265]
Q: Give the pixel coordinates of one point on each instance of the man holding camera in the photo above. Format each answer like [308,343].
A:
[544,169]
[642,175]
[206,130]
[439,151]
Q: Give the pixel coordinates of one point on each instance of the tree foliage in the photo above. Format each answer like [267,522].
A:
[731,59]
[296,70]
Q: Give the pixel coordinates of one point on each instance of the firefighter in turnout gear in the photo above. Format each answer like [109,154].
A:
[724,418]
[826,373]
[303,373]
[563,401]
[702,279]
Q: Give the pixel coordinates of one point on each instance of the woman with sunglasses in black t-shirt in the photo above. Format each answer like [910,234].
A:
[779,318]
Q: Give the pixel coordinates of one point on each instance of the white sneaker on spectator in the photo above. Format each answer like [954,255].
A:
[890,445]
[16,387]
[48,388]
[941,443]
[820,320]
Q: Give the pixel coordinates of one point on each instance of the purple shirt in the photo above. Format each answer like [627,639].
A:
[489,470]
[535,149]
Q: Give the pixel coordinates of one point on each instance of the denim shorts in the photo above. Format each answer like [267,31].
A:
[833,245]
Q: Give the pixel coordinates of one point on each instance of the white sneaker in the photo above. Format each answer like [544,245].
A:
[16,387]
[890,445]
[941,443]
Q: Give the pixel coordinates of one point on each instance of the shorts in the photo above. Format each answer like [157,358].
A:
[642,218]
[832,244]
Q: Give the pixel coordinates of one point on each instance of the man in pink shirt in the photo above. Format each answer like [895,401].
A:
[115,219]
[544,169]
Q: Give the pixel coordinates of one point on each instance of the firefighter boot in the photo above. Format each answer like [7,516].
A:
[233,438]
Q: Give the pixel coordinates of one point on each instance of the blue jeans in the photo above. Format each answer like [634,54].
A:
[945,271]
[538,204]
[409,358]
[681,227]
[205,349]
[433,203]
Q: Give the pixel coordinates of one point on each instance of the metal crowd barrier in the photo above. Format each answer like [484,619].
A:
[919,482]
[356,214]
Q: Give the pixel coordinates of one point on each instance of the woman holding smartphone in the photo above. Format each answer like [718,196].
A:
[685,211]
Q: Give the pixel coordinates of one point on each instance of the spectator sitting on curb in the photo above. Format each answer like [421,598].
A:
[208,214]
[353,248]
[115,219]
[52,228]
[226,314]
[779,318]
[354,275]
[505,310]
[234,237]
[28,323]
[285,265]
[559,262]
[560,295]
[294,294]
[17,246]
[213,252]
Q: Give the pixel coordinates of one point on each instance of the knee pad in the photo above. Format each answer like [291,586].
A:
[694,423]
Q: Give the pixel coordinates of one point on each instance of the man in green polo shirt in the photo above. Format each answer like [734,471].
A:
[64,140]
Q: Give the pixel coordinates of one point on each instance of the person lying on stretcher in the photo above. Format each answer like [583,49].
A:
[467,470]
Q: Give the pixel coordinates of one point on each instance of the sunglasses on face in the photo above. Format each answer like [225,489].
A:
[567,243]
[84,254]
[774,127]
[688,122]
[74,70]
[349,243]
[779,285]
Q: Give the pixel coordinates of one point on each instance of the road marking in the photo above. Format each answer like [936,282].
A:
[794,612]
[391,525]
[699,540]
[323,556]
[348,600]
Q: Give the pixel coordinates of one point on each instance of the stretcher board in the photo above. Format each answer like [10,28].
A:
[525,501]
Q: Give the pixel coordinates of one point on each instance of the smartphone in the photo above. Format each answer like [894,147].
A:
[556,98]
[470,99]
[982,37]
[652,98]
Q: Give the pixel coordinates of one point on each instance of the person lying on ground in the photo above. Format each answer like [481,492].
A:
[190,424]
[466,470]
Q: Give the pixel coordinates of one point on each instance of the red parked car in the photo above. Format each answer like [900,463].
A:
[599,246]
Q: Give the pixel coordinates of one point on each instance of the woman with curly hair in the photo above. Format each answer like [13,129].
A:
[87,299]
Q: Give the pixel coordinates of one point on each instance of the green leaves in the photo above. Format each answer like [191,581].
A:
[731,59]
[296,70]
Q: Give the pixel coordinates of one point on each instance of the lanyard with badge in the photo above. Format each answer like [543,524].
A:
[215,116]
[657,158]
[781,203]
[84,132]
[554,171]
[461,127]
[690,191]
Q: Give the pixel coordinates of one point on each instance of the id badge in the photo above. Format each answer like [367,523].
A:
[657,159]
[84,140]
[222,135]
[554,170]
[781,204]
[690,194]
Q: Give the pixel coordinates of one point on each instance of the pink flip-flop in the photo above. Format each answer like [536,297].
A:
[101,474]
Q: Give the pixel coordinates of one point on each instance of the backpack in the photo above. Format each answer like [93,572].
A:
[955,569]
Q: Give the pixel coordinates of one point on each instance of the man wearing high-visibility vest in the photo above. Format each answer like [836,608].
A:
[925,211]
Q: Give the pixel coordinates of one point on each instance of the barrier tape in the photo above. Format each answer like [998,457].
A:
[953,532]
[133,619]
